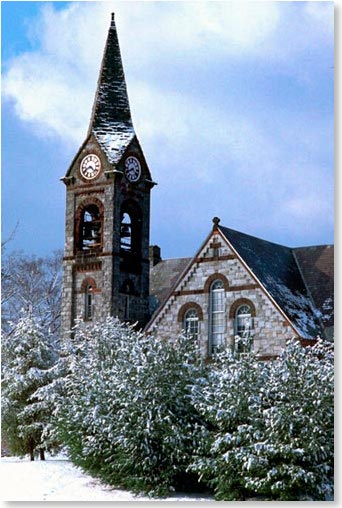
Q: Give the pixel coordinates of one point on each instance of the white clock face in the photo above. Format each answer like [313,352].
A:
[132,169]
[90,166]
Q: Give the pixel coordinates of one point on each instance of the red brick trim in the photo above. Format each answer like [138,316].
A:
[212,278]
[89,281]
[215,258]
[187,306]
[90,255]
[88,267]
[85,192]
[78,219]
[238,303]
[86,186]
[188,292]
[230,289]
[90,201]
[244,287]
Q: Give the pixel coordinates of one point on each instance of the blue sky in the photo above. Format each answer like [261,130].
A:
[232,104]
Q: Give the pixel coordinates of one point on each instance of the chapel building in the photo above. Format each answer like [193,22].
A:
[237,291]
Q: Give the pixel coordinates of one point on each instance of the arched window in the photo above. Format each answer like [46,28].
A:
[191,324]
[89,226]
[243,324]
[217,316]
[88,303]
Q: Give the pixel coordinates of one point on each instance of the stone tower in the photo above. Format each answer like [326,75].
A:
[108,184]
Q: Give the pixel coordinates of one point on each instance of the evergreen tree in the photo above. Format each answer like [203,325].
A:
[271,425]
[229,401]
[28,360]
[128,416]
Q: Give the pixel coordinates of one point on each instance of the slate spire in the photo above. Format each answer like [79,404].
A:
[111,121]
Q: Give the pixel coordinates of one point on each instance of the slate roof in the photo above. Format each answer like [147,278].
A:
[276,268]
[163,276]
[317,267]
[299,280]
[111,121]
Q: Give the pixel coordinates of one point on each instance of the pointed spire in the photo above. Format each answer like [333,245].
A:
[111,121]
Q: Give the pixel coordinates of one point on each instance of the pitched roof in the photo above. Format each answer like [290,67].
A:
[276,268]
[111,121]
[294,278]
[163,276]
[317,268]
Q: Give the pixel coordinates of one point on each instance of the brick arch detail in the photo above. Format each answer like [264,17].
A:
[238,303]
[78,217]
[212,278]
[187,306]
[89,281]
[86,202]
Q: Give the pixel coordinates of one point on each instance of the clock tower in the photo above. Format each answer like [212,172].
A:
[108,184]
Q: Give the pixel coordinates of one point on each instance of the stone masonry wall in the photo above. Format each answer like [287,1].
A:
[271,329]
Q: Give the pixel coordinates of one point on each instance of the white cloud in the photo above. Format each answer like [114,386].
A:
[187,132]
[53,87]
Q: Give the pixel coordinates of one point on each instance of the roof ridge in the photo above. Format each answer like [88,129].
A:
[255,237]
[314,246]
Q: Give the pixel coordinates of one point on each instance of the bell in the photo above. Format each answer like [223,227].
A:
[87,232]
[125,231]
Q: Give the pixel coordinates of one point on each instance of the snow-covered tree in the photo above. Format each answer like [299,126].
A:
[296,457]
[28,360]
[271,425]
[34,285]
[229,401]
[128,416]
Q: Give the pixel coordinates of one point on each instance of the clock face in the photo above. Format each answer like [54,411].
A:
[90,166]
[132,169]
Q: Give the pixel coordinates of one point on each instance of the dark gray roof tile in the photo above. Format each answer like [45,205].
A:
[317,267]
[276,268]
[111,121]
[163,276]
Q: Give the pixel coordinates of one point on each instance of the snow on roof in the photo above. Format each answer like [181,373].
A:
[114,140]
[316,264]
[276,268]
[111,121]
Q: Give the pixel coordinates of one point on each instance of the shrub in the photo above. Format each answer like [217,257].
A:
[128,417]
[271,425]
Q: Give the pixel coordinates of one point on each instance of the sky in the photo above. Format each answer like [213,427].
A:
[232,102]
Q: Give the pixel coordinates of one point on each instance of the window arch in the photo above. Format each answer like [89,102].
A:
[213,278]
[89,226]
[243,312]
[217,315]
[189,316]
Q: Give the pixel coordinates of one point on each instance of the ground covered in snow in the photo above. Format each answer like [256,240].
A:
[57,479]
